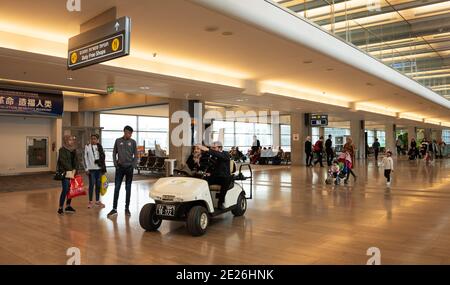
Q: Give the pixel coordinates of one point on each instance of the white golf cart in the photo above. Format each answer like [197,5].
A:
[194,201]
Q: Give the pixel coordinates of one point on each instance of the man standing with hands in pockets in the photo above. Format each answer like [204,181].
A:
[125,159]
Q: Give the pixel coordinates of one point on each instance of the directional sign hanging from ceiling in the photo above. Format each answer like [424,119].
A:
[101,44]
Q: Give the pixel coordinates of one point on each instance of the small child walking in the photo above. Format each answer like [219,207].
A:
[388,165]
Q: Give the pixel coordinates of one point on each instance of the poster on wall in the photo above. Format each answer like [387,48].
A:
[27,101]
[37,152]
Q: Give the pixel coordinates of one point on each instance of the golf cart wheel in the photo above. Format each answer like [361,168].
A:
[148,218]
[197,220]
[241,206]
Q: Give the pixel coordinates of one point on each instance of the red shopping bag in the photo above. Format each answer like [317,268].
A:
[76,187]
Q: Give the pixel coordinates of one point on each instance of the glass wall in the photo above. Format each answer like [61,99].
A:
[285,140]
[148,131]
[446,136]
[315,134]
[381,135]
[370,137]
[387,30]
[241,134]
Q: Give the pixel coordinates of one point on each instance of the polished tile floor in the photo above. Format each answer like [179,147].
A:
[294,218]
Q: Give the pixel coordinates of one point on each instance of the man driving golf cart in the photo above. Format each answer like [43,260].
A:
[218,172]
[196,201]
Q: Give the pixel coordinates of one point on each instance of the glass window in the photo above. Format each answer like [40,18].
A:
[111,122]
[370,137]
[109,138]
[263,129]
[285,140]
[153,124]
[148,131]
[381,135]
[315,135]
[228,126]
[265,140]
[285,129]
[244,128]
[285,136]
[244,140]
[150,138]
[446,136]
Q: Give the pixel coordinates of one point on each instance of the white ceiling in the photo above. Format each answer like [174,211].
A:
[193,63]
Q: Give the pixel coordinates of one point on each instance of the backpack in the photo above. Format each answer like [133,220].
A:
[316,147]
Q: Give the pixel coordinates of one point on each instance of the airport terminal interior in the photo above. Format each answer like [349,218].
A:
[300,132]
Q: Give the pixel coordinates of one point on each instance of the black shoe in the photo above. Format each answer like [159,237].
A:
[60,211]
[113,213]
[127,213]
[69,209]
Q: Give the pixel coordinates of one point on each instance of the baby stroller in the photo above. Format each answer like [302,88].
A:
[337,172]
[330,177]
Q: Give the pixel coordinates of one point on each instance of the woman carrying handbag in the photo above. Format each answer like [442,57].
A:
[67,165]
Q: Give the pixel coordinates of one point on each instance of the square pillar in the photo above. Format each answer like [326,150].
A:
[357,133]
[55,141]
[177,150]
[390,138]
[300,129]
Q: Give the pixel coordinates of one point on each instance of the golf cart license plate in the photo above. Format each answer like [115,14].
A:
[165,210]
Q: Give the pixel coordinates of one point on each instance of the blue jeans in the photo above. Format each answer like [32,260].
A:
[65,183]
[120,173]
[94,181]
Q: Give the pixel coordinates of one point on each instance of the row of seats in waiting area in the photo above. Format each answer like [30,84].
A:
[152,161]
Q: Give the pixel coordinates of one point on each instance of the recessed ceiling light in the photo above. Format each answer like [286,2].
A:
[198,95]
[227,33]
[330,69]
[69,78]
[369,84]
[239,100]
[211,29]
[307,61]
[144,87]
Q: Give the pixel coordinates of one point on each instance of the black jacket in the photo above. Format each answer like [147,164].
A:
[67,160]
[328,144]
[220,164]
[308,147]
[194,166]
[102,160]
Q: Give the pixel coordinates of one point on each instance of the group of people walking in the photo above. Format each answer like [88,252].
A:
[125,157]
[320,148]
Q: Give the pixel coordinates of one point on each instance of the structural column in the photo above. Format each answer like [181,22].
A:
[56,141]
[299,131]
[357,132]
[428,133]
[276,134]
[390,138]
[322,132]
[180,132]
[437,135]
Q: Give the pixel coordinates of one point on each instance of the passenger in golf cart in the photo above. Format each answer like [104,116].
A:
[218,172]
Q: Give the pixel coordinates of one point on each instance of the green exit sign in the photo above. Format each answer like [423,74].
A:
[110,89]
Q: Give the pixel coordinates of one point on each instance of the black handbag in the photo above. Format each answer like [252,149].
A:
[59,175]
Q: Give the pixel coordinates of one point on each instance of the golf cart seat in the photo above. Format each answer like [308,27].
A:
[233,169]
